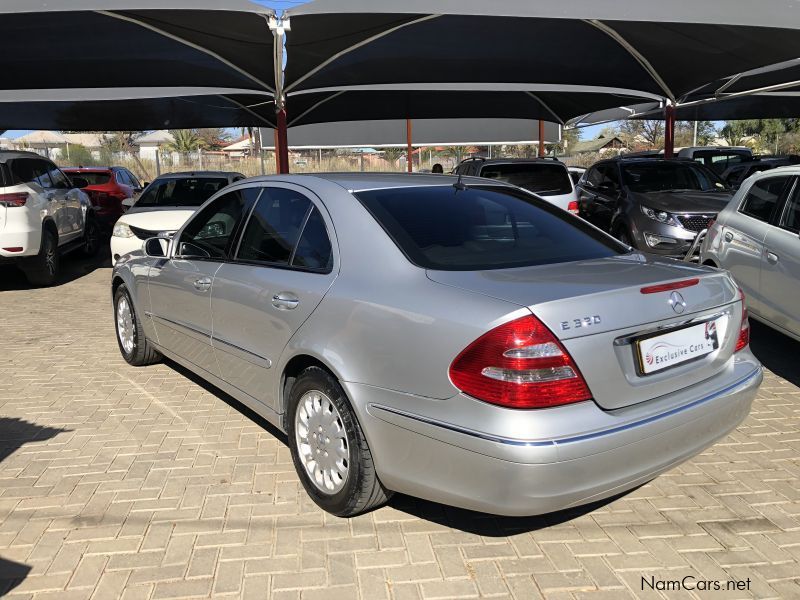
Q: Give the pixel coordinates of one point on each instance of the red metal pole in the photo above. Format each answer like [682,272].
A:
[282,147]
[669,131]
[409,149]
[277,154]
[541,138]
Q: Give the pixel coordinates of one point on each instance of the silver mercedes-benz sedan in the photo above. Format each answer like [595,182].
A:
[459,340]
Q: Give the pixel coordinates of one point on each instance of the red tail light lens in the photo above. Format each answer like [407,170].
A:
[519,364]
[744,330]
[573,207]
[14,199]
[668,287]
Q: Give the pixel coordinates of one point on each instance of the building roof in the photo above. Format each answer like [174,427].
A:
[243,143]
[41,137]
[594,145]
[160,136]
[89,140]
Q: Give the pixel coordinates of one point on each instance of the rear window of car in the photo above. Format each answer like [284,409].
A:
[541,178]
[482,228]
[93,177]
[190,191]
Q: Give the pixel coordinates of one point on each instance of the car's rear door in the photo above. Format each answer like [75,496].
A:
[283,267]
[780,266]
[180,286]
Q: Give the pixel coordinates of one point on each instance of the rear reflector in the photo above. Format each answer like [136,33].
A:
[668,287]
[519,364]
[14,199]
[14,249]
[573,207]
[744,329]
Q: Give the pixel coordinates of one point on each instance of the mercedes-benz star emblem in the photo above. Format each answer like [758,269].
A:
[677,302]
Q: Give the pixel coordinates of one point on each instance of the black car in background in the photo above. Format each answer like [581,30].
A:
[653,204]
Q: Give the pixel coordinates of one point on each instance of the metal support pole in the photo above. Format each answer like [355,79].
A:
[409,155]
[694,137]
[277,155]
[158,163]
[283,143]
[669,131]
[541,138]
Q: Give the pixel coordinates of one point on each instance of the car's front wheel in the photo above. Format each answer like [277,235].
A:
[133,344]
[328,447]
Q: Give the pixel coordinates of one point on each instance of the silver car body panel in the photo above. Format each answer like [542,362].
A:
[389,330]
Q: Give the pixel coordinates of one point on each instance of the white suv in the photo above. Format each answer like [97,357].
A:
[42,215]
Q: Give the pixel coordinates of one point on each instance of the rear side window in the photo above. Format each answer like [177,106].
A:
[30,171]
[274,227]
[545,179]
[175,191]
[314,247]
[762,198]
[92,177]
[482,227]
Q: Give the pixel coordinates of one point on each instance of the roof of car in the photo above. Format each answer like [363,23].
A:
[90,168]
[500,161]
[358,182]
[200,175]
[11,154]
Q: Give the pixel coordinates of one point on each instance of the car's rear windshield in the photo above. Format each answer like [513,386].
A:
[668,176]
[541,178]
[93,177]
[482,227]
[187,191]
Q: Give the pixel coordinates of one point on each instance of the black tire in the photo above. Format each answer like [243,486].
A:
[91,237]
[42,270]
[140,352]
[362,490]
[625,237]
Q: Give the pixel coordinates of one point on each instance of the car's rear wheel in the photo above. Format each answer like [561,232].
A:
[43,269]
[133,344]
[328,447]
[91,237]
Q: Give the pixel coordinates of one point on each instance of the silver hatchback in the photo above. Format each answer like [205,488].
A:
[757,238]
[455,339]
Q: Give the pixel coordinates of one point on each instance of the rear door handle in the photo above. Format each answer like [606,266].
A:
[285,301]
[728,236]
[202,284]
[772,258]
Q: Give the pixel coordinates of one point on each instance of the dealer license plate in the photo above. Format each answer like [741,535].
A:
[670,349]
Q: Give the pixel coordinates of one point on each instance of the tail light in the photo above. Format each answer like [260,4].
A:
[667,287]
[14,199]
[519,364]
[573,207]
[711,222]
[744,329]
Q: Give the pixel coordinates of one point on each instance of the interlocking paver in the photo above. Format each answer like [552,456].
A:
[118,482]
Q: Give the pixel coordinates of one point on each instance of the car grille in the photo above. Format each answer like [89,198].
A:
[143,234]
[695,222]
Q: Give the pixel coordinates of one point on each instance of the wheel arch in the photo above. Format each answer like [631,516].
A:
[291,371]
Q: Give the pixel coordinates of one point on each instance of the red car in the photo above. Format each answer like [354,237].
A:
[107,187]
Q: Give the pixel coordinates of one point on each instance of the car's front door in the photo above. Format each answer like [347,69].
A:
[744,232]
[780,267]
[606,201]
[180,286]
[284,266]
[74,215]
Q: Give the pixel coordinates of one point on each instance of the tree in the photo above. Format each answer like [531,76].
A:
[392,155]
[648,134]
[80,156]
[184,141]
[734,133]
[569,137]
[213,138]
[684,133]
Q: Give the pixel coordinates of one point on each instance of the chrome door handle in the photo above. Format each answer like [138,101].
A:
[728,236]
[202,284]
[772,258]
[285,301]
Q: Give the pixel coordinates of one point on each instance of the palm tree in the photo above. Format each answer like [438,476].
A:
[184,141]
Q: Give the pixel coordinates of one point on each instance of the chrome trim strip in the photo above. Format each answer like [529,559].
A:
[628,339]
[259,361]
[570,440]
[191,331]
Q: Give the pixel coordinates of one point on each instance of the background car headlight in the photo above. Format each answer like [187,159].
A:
[122,230]
[660,216]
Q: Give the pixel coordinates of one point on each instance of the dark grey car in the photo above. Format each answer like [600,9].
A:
[655,205]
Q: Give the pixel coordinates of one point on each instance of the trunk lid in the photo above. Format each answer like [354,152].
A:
[597,309]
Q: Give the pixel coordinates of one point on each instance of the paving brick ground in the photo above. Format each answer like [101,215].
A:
[129,483]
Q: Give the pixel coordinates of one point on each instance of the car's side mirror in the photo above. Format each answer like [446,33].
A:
[128,202]
[156,247]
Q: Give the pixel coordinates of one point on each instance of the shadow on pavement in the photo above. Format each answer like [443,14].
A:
[16,432]
[73,266]
[11,575]
[490,525]
[776,351]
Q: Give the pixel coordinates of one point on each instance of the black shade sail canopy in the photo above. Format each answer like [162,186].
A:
[125,64]
[648,48]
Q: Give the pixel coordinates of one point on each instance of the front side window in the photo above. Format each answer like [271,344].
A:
[274,227]
[545,179]
[482,227]
[181,192]
[210,234]
[670,176]
[762,198]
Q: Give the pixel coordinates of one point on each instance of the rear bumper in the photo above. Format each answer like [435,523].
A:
[29,240]
[589,455]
